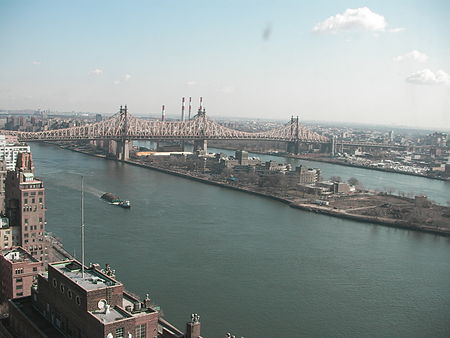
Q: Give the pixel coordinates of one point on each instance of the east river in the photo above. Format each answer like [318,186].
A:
[248,265]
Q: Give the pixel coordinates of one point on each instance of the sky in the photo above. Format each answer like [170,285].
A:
[383,62]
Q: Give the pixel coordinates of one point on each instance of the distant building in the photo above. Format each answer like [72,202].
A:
[391,136]
[98,117]
[307,175]
[18,271]
[2,187]
[25,206]
[66,303]
[242,157]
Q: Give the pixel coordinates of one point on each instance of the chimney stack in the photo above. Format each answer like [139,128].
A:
[163,113]
[190,106]
[182,108]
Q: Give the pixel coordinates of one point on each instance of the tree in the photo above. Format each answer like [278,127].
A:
[353,181]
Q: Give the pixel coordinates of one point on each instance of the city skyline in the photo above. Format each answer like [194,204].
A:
[371,62]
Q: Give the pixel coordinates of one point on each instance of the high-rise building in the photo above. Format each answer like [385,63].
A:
[71,302]
[9,150]
[25,206]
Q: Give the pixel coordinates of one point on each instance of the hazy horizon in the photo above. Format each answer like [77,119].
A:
[344,61]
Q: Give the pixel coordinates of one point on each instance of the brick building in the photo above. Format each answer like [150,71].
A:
[25,206]
[66,302]
[18,270]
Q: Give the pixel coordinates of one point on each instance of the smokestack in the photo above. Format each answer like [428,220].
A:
[182,109]
[190,107]
[163,113]
[201,103]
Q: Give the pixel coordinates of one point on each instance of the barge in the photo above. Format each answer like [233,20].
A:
[115,200]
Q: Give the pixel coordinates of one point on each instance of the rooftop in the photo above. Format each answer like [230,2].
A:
[16,255]
[109,315]
[92,279]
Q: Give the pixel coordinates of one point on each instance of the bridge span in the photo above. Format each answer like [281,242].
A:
[123,127]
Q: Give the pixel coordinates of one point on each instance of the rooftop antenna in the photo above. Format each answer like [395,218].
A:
[82,226]
[182,109]
[190,106]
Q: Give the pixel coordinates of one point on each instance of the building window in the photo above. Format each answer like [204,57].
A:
[19,271]
[141,331]
[34,269]
[19,280]
[18,294]
[69,294]
[26,201]
[61,287]
[119,332]
[55,282]
[78,300]
[19,287]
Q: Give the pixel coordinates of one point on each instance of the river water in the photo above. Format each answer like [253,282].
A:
[248,265]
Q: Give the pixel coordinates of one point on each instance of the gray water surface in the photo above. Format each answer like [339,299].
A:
[248,265]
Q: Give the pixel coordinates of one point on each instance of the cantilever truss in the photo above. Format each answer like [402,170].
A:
[125,126]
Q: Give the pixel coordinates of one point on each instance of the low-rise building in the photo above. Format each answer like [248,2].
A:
[18,270]
[307,175]
[75,302]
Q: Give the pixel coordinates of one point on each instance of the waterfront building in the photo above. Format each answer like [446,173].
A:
[307,175]
[25,206]
[69,301]
[18,271]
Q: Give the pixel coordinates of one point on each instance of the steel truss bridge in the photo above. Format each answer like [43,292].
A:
[124,126]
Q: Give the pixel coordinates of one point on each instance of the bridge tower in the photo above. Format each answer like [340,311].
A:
[293,146]
[201,144]
[121,148]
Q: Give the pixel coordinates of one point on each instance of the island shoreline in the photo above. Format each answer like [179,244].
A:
[302,206]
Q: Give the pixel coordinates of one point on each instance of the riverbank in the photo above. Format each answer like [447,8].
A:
[292,202]
[340,163]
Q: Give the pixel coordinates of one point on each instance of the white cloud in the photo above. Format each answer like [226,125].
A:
[116,82]
[126,77]
[191,83]
[96,71]
[354,19]
[414,55]
[396,30]
[427,77]
[36,62]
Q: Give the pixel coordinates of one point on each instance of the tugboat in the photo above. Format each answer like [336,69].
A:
[115,200]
